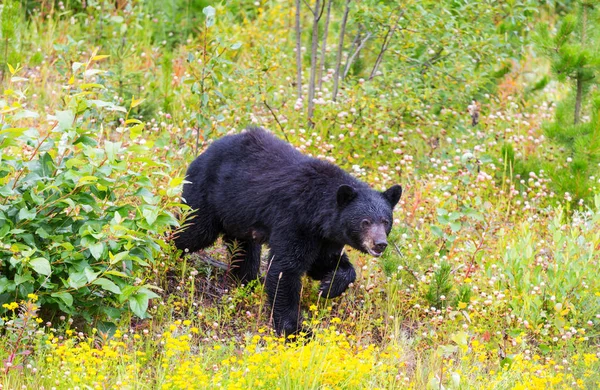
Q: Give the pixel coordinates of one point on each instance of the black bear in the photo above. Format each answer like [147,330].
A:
[254,188]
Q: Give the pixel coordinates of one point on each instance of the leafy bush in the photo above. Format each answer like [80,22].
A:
[79,219]
[550,269]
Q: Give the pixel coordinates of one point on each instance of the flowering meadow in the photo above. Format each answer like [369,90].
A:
[490,280]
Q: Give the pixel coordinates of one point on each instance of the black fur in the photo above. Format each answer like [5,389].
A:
[254,188]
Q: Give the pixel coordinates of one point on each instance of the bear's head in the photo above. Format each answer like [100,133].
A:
[366,216]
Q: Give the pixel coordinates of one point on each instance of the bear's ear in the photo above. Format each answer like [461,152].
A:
[393,194]
[345,194]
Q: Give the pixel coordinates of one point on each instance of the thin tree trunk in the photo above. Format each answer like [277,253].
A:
[313,63]
[355,54]
[579,96]
[298,51]
[324,45]
[338,60]
[384,46]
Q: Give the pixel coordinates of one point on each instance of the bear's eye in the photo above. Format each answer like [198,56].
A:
[365,223]
[385,222]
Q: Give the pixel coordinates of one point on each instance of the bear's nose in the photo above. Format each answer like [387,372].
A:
[380,246]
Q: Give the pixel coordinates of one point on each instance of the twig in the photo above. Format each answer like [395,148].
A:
[271,111]
[410,271]
[276,120]
[386,43]
[309,8]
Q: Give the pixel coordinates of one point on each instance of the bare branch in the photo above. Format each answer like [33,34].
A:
[338,60]
[386,43]
[355,54]
[308,6]
[321,12]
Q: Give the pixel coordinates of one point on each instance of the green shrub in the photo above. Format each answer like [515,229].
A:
[79,218]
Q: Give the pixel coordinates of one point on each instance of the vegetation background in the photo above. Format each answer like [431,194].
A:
[487,112]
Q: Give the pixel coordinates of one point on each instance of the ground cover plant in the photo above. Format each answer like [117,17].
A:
[490,277]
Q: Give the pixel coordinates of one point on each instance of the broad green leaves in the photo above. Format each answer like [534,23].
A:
[78,223]
[41,266]
[138,302]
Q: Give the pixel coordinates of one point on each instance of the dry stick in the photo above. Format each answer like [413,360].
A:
[272,112]
[263,283]
[338,59]
[275,299]
[276,120]
[324,45]
[384,46]
[337,266]
[355,54]
[313,64]
[298,51]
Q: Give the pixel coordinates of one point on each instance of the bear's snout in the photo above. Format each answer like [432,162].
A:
[375,240]
[380,246]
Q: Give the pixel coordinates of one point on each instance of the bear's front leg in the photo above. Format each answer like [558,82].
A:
[334,270]
[283,284]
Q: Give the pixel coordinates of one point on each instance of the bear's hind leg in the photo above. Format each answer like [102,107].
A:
[201,231]
[245,258]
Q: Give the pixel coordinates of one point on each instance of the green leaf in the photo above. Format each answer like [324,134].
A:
[106,328]
[437,231]
[107,285]
[65,297]
[25,214]
[138,303]
[90,275]
[114,259]
[453,216]
[150,215]
[4,230]
[41,266]
[6,285]
[65,120]
[112,148]
[96,250]
[455,226]
[460,338]
[136,131]
[77,280]
[507,361]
